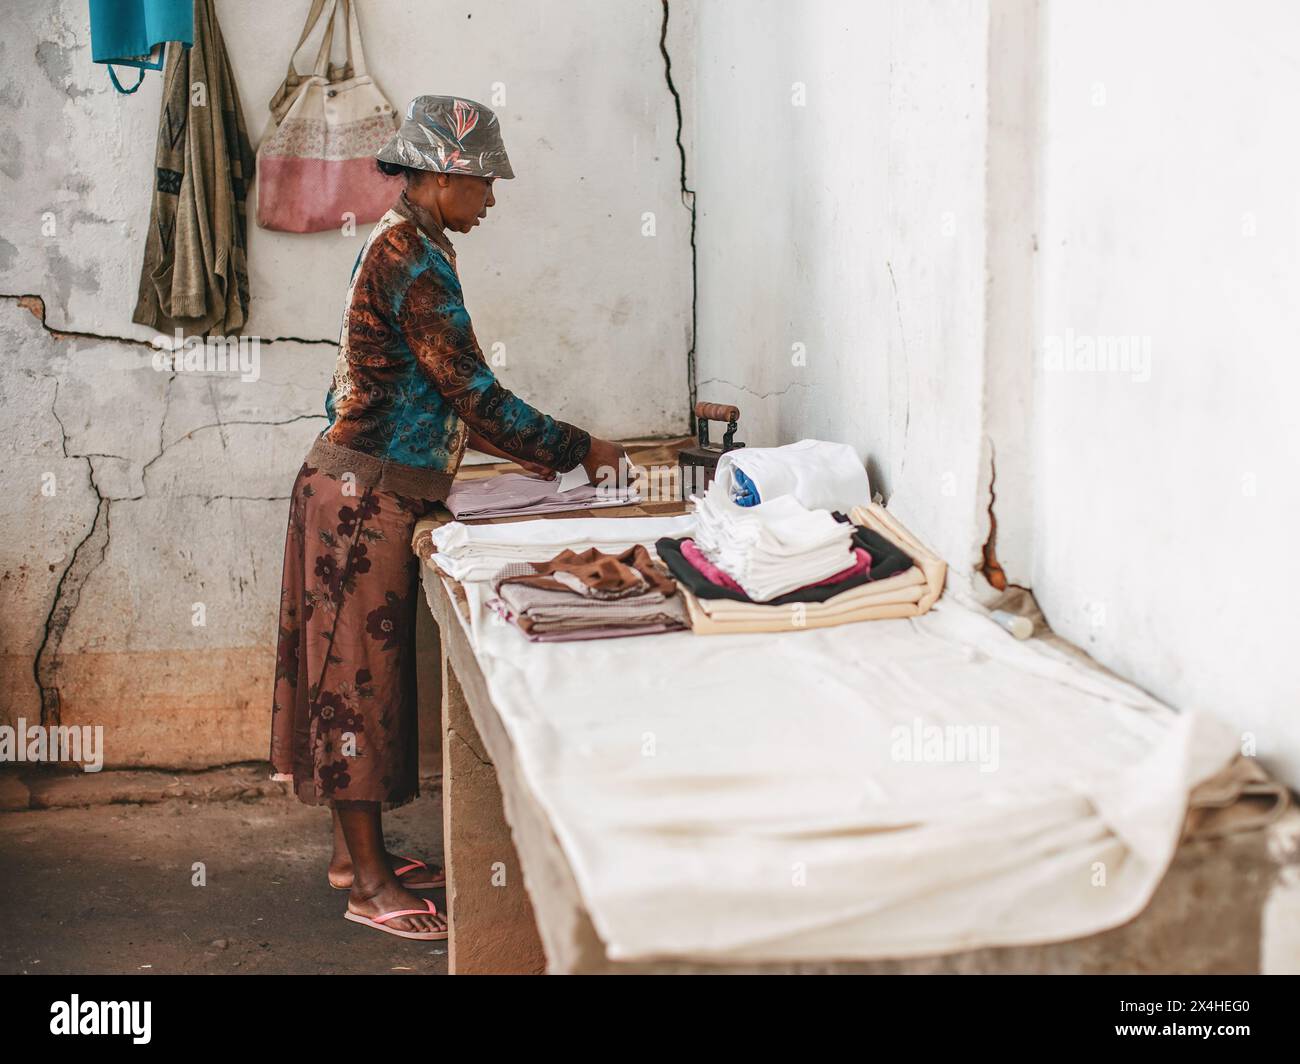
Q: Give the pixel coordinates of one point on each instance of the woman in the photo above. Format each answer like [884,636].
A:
[410,391]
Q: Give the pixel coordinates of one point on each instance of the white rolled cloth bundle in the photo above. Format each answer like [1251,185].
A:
[819,474]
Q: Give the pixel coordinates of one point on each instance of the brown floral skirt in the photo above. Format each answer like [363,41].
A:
[343,718]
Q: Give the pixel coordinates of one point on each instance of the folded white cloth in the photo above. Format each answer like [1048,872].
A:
[773,547]
[821,475]
[477,552]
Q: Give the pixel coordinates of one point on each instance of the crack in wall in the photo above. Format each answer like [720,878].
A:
[231,498]
[92,548]
[294,340]
[67,592]
[36,305]
[758,395]
[223,425]
[990,566]
[688,201]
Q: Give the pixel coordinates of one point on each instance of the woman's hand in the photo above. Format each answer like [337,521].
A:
[607,464]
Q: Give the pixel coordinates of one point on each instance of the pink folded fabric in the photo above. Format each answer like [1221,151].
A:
[693,554]
[707,569]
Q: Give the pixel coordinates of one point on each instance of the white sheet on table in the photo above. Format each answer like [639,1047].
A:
[772,823]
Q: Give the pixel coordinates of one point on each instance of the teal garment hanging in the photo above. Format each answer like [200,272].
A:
[132,33]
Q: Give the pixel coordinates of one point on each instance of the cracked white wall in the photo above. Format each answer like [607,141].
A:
[190,475]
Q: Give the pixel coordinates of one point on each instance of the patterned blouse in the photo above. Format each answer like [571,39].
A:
[410,375]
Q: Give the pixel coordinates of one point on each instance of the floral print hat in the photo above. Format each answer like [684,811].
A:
[449,135]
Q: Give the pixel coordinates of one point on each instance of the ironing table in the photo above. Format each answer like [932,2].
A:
[495,931]
[516,905]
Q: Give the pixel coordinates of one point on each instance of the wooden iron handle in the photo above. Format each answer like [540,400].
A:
[717,412]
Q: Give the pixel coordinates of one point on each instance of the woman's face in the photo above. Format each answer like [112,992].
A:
[463,200]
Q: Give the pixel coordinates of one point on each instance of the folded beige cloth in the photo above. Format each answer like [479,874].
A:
[907,594]
[1241,797]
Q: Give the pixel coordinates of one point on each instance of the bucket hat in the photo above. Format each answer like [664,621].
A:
[449,135]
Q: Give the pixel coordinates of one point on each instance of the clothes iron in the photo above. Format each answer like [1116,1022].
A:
[697,465]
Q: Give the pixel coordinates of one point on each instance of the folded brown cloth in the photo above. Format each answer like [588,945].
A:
[588,596]
[593,574]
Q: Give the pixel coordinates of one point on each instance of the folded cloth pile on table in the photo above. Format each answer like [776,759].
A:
[517,495]
[700,563]
[773,547]
[904,580]
[588,595]
[818,474]
[478,552]
[877,558]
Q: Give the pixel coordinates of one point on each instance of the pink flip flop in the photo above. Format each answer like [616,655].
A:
[379,922]
[432,882]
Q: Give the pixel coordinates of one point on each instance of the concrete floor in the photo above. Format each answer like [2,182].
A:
[107,890]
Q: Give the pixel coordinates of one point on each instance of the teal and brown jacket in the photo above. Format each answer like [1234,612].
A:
[410,376]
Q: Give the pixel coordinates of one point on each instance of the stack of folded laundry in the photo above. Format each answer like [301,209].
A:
[588,595]
[517,494]
[773,547]
[779,565]
[893,575]
[477,552]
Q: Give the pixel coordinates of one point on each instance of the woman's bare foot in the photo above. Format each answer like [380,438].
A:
[340,870]
[391,896]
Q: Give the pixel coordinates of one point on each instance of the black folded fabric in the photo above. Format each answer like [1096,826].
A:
[887,560]
[887,557]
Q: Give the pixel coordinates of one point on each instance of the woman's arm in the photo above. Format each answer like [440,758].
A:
[436,326]
[488,447]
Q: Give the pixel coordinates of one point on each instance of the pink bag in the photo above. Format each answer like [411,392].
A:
[316,162]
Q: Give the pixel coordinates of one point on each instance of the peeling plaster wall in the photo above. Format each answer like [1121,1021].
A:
[171,489]
[130,497]
[853,225]
[1165,511]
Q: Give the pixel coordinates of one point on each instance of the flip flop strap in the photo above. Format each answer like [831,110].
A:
[385,917]
[415,863]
